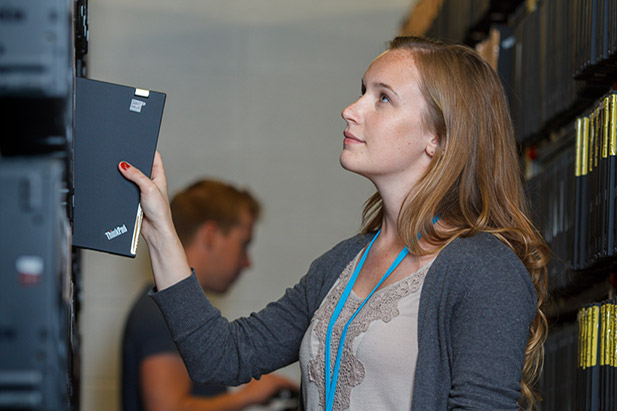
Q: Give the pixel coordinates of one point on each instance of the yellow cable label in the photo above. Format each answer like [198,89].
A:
[610,329]
[582,334]
[603,345]
[579,148]
[613,336]
[597,136]
[613,126]
[606,125]
[584,146]
[595,323]
[578,340]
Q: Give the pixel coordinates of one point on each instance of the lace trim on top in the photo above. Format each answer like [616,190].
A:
[383,305]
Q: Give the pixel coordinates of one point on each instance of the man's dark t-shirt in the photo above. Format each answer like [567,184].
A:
[146,334]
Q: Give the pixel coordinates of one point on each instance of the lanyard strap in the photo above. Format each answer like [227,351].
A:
[331,379]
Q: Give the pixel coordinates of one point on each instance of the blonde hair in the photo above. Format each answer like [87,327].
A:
[474,182]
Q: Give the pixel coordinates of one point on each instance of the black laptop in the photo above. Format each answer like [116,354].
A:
[112,123]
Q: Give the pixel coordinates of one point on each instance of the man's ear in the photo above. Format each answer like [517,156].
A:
[206,234]
[432,145]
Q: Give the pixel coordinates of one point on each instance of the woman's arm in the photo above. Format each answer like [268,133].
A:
[229,353]
[213,349]
[476,306]
[489,328]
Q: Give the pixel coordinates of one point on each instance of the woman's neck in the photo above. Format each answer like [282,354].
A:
[392,201]
[389,235]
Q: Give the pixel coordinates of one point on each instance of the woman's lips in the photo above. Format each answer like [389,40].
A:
[351,139]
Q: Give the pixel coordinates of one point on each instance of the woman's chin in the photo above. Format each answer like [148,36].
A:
[350,166]
[346,163]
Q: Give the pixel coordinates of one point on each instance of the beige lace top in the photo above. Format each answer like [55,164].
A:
[380,351]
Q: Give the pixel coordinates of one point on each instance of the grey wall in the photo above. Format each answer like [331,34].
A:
[254,94]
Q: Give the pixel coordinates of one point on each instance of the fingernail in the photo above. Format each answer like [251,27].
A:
[124,165]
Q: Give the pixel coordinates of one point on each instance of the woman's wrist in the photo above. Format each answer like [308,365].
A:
[169,263]
[159,239]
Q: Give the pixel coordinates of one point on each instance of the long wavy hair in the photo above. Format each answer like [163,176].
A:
[474,181]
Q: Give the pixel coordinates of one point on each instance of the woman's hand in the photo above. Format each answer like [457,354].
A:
[168,259]
[153,198]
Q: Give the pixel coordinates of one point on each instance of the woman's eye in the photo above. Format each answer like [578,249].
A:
[384,99]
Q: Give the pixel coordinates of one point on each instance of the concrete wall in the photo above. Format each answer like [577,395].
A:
[254,94]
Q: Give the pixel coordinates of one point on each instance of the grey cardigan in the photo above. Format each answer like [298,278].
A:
[476,307]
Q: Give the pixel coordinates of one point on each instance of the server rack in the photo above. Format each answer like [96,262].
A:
[43,47]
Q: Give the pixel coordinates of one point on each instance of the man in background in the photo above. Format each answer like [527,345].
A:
[215,224]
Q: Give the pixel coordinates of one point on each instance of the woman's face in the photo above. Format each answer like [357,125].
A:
[385,139]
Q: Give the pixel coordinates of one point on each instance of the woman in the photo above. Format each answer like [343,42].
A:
[438,300]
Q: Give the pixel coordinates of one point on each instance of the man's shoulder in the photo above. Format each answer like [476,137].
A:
[145,319]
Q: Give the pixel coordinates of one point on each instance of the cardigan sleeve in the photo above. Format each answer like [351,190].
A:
[476,306]
[231,353]
[489,326]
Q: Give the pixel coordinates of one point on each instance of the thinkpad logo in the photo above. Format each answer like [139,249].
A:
[111,234]
[136,105]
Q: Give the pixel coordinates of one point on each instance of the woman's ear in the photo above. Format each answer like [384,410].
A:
[432,146]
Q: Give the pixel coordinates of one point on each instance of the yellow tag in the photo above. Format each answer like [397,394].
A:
[579,143]
[606,125]
[584,146]
[581,338]
[610,329]
[597,137]
[603,346]
[595,324]
[613,126]
[613,337]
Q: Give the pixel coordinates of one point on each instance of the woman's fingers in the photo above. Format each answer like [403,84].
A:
[149,187]
[169,262]
[158,173]
[135,175]
[153,194]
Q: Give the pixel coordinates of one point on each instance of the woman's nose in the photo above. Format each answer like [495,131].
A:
[350,113]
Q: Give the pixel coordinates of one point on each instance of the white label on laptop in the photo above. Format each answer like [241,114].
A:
[136,105]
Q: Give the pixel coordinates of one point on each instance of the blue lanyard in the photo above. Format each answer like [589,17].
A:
[331,379]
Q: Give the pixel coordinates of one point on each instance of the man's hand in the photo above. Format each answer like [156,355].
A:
[260,391]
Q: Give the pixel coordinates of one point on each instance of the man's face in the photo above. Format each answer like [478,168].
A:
[231,251]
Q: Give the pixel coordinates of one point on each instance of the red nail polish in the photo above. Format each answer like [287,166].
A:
[124,165]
